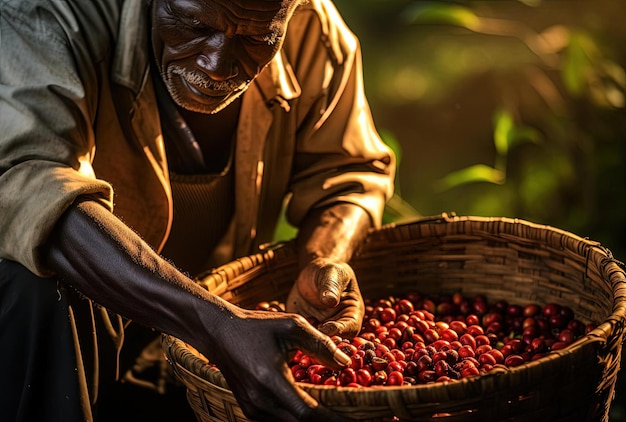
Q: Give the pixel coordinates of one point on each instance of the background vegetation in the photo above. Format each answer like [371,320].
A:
[503,108]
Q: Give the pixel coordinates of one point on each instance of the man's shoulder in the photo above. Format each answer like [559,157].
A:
[70,13]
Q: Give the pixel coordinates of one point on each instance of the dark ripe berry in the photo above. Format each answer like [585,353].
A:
[567,313]
[305,361]
[363,377]
[424,362]
[372,324]
[483,349]
[401,318]
[457,298]
[381,349]
[441,368]
[495,327]
[566,336]
[515,311]
[468,340]
[551,309]
[357,361]
[405,306]
[558,345]
[466,351]
[406,334]
[332,380]
[487,358]
[415,298]
[490,318]
[475,330]
[439,356]
[419,352]
[395,366]
[390,342]
[431,335]
[449,335]
[455,345]
[395,378]
[458,326]
[346,376]
[537,345]
[577,327]
[480,308]
[469,372]
[514,360]
[445,309]
[497,355]
[379,378]
[472,319]
[387,315]
[482,340]
[532,310]
[422,326]
[452,356]
[429,306]
[515,344]
[411,368]
[427,376]
[557,321]
[379,364]
[441,344]
[299,374]
[530,331]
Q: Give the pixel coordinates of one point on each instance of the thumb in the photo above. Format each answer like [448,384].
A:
[331,281]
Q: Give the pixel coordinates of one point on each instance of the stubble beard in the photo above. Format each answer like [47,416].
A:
[230,88]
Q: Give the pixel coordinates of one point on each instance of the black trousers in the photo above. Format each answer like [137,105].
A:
[44,377]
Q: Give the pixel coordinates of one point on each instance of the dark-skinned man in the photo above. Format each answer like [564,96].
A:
[142,143]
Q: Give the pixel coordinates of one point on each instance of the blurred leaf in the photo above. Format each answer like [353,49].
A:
[502,132]
[471,174]
[506,134]
[445,14]
[576,63]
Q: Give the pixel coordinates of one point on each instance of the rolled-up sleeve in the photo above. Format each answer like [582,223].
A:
[340,156]
[46,138]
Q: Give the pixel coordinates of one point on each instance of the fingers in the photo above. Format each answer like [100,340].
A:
[289,403]
[331,280]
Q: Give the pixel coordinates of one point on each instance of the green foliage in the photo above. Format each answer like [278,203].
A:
[441,13]
[513,108]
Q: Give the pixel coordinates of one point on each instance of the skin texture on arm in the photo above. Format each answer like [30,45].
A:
[106,261]
[327,289]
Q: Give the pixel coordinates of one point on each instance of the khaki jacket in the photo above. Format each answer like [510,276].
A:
[78,116]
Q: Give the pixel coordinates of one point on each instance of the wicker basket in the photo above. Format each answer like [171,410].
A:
[508,259]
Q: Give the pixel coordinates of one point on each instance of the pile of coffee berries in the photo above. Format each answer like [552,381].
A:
[416,339]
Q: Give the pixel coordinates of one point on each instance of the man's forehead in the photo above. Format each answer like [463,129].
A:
[245,9]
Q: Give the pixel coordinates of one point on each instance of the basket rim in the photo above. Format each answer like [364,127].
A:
[604,336]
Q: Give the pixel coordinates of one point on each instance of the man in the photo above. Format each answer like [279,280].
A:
[142,143]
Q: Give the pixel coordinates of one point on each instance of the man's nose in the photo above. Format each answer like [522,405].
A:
[217,59]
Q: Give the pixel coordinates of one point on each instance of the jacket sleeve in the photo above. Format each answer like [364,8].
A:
[46,135]
[339,154]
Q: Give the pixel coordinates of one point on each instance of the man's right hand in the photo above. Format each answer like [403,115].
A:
[253,350]
[105,260]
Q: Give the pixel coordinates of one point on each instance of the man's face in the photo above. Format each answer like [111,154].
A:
[208,51]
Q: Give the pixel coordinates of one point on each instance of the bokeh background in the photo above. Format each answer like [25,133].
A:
[503,108]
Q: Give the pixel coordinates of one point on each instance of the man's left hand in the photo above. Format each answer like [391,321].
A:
[328,293]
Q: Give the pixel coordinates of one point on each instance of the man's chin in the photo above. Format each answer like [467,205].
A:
[208,105]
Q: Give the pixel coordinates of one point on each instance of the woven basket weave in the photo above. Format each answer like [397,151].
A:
[513,260]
